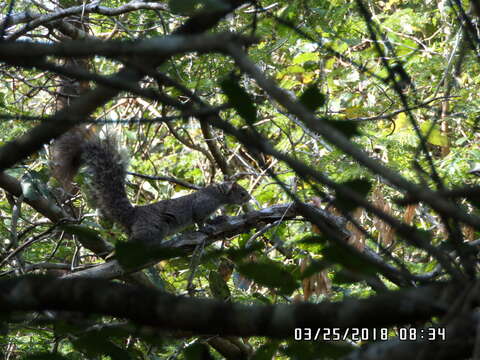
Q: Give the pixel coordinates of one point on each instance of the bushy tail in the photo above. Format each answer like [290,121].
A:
[66,154]
[107,168]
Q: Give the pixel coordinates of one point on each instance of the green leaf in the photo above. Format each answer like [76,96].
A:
[312,98]
[236,254]
[360,186]
[197,351]
[262,298]
[183,7]
[294,69]
[309,350]
[218,286]
[240,100]
[94,345]
[270,274]
[215,5]
[313,268]
[435,135]
[304,57]
[132,254]
[349,128]
[426,236]
[44,356]
[31,185]
[343,278]
[431,266]
[266,351]
[312,243]
[401,122]
[349,259]
[85,234]
[474,201]
[29,191]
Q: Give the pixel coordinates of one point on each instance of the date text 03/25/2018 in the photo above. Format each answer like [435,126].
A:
[369,334]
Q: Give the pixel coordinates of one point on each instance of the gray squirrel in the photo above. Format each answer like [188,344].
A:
[148,224]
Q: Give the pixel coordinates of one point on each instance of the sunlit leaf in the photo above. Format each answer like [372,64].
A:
[304,57]
[269,274]
[435,135]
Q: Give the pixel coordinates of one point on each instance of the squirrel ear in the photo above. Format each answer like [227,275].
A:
[229,185]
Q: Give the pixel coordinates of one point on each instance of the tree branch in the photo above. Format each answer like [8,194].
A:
[201,316]
[50,210]
[82,107]
[164,47]
[35,20]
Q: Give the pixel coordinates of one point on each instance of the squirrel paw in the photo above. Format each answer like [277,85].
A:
[110,256]
[216,220]
[207,229]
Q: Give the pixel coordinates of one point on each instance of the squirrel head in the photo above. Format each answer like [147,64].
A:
[234,193]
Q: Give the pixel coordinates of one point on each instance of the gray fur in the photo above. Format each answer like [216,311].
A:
[150,223]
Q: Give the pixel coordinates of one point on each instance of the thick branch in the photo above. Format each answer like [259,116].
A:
[202,316]
[235,225]
[162,47]
[335,137]
[51,211]
[44,206]
[80,109]
[35,20]
[229,226]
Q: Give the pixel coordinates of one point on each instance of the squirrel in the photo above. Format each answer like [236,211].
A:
[148,224]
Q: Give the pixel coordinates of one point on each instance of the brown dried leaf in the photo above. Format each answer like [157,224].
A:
[409,213]
[385,232]
[357,239]
[468,232]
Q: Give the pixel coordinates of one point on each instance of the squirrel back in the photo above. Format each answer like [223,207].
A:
[168,217]
[147,223]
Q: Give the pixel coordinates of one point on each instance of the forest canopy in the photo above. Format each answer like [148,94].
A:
[348,128]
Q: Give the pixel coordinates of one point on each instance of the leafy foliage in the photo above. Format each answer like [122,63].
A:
[396,80]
